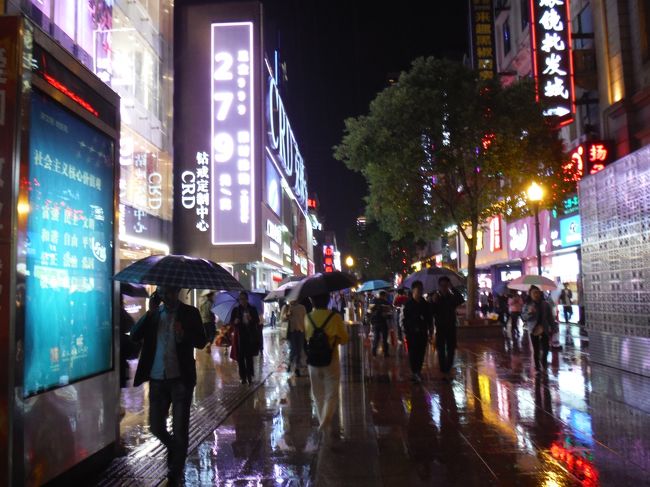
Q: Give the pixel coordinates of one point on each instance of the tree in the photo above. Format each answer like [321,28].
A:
[378,255]
[442,147]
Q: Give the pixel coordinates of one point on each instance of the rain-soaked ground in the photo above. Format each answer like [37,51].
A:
[495,423]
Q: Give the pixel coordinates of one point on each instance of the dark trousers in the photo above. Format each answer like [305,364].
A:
[245,361]
[446,347]
[417,348]
[296,342]
[178,395]
[380,329]
[540,350]
[514,317]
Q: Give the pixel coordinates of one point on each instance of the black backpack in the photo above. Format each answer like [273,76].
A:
[319,352]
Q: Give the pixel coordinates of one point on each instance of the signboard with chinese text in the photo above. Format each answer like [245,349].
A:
[232,136]
[483,38]
[521,236]
[586,159]
[328,258]
[69,249]
[552,60]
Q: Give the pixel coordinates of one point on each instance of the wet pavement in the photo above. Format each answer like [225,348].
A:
[495,423]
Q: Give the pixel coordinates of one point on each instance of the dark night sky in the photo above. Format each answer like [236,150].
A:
[338,56]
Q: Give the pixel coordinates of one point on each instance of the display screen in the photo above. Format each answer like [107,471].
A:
[69,249]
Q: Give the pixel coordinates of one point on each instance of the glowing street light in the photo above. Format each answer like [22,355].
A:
[535,195]
[349,261]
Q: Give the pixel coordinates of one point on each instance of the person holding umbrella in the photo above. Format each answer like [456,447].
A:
[208,317]
[379,308]
[296,334]
[445,302]
[246,322]
[417,323]
[539,315]
[169,333]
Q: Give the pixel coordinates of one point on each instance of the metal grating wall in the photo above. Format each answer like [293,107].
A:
[615,214]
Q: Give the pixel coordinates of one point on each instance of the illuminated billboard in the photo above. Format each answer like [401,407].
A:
[232,161]
[552,60]
[69,249]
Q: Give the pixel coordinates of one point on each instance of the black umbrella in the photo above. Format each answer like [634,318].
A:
[281,292]
[133,290]
[320,284]
[179,271]
[289,279]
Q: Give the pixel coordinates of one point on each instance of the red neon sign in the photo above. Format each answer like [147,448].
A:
[311,203]
[70,94]
[495,234]
[587,158]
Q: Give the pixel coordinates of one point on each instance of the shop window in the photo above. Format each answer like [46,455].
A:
[507,44]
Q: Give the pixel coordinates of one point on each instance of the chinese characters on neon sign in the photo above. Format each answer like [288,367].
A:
[551,33]
[483,38]
[232,137]
[194,191]
[328,258]
[587,158]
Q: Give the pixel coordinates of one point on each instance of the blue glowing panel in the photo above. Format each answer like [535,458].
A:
[570,232]
[273,188]
[69,250]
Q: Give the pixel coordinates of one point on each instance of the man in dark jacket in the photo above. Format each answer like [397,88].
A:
[170,333]
[379,321]
[417,322]
[445,302]
[246,320]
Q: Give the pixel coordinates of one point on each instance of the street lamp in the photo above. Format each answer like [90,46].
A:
[349,261]
[535,195]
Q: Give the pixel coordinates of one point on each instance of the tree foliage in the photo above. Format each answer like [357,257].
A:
[442,147]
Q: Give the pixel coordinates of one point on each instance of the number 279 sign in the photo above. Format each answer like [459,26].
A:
[232,158]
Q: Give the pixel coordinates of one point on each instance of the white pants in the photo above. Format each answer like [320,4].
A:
[325,391]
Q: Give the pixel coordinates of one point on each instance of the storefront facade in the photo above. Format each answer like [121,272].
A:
[240,179]
[128,45]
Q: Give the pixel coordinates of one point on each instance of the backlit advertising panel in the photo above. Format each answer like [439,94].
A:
[69,249]
[273,188]
[552,59]
[232,163]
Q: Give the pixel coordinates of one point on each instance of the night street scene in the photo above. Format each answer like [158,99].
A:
[346,243]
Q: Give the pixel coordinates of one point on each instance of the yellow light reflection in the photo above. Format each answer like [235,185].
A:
[23,208]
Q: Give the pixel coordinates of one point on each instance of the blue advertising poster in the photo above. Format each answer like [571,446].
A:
[570,231]
[69,249]
[273,188]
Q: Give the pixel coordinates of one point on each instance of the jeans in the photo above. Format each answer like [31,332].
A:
[417,345]
[540,344]
[178,395]
[380,329]
[568,313]
[296,343]
[325,392]
[446,347]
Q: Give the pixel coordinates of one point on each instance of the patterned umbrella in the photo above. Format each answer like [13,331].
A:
[179,271]
[281,292]
[523,283]
[374,286]
[430,276]
[225,302]
[318,284]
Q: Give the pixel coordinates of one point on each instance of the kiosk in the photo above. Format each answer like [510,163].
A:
[59,383]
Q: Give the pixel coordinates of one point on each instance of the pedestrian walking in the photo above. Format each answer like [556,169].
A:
[483,302]
[207,316]
[445,302]
[400,300]
[324,332]
[539,317]
[296,335]
[417,322]
[566,300]
[515,305]
[246,322]
[502,309]
[169,333]
[379,310]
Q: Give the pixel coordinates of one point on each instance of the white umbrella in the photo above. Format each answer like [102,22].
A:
[523,283]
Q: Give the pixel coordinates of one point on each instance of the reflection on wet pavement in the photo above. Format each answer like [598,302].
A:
[495,423]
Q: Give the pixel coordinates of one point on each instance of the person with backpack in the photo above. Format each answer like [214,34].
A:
[324,332]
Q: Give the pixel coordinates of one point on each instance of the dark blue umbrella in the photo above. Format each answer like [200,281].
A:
[323,283]
[225,302]
[374,285]
[179,271]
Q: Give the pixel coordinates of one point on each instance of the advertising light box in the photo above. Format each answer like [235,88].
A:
[69,249]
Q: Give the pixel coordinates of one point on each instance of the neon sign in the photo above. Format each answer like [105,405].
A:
[483,38]
[282,143]
[552,61]
[328,258]
[194,191]
[588,158]
[495,234]
[232,136]
[70,94]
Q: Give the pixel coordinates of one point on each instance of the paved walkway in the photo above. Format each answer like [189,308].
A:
[496,423]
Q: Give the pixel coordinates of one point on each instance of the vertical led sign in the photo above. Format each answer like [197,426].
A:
[552,61]
[232,136]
